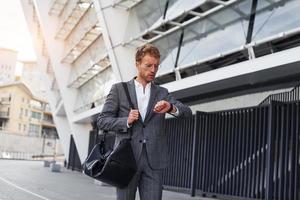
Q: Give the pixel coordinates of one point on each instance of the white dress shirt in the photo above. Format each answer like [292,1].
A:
[143,96]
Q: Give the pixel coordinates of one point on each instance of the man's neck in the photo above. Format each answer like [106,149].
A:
[141,81]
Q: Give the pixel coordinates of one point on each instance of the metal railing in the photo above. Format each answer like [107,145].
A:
[180,140]
[14,155]
[293,95]
[5,99]
[4,114]
[249,153]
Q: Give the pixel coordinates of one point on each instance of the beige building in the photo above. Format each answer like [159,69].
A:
[24,114]
[8,61]
[33,78]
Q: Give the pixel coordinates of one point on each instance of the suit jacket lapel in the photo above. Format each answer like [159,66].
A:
[150,107]
[132,93]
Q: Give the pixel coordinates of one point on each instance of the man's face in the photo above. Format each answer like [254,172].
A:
[147,68]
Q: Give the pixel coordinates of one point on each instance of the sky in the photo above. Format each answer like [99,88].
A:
[14,33]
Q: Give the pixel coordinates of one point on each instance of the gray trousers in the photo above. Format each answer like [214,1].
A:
[147,180]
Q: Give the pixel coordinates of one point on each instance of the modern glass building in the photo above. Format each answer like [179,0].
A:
[216,54]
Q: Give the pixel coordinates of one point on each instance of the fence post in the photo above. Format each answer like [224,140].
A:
[270,152]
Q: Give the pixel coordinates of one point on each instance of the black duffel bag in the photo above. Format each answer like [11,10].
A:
[115,167]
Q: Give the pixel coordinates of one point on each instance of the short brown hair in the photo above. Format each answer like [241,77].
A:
[146,49]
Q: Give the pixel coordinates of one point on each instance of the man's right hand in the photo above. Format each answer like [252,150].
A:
[133,116]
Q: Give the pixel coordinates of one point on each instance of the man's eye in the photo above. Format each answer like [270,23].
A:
[151,65]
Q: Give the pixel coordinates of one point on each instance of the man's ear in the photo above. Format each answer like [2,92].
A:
[137,64]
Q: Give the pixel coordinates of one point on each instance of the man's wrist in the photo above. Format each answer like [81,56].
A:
[171,108]
[128,125]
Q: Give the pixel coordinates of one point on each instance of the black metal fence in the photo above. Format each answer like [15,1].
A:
[74,160]
[249,153]
[180,142]
[293,95]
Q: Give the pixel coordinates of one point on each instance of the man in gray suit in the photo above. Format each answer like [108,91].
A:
[151,103]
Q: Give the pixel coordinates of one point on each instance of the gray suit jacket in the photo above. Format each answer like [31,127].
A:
[114,118]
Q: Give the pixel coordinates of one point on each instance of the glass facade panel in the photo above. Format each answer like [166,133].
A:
[95,90]
[168,47]
[279,17]
[218,33]
[222,31]
[150,11]
[177,8]
[92,54]
[145,14]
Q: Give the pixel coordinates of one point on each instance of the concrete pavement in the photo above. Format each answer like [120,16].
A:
[29,180]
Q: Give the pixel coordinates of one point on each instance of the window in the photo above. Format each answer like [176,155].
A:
[24,127]
[34,130]
[36,115]
[26,112]
[47,118]
[21,113]
[20,126]
[36,104]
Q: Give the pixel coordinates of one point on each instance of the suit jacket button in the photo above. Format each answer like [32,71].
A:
[144,126]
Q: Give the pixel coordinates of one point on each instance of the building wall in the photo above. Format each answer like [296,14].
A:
[33,78]
[26,113]
[53,91]
[58,51]
[32,145]
[19,101]
[8,61]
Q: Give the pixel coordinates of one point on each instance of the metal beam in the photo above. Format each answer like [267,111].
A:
[179,48]
[251,21]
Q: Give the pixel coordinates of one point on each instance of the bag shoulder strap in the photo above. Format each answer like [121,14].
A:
[103,140]
[129,100]
[127,94]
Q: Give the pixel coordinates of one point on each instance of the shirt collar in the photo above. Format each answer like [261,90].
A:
[138,84]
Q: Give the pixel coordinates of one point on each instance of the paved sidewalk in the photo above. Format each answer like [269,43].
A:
[29,180]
